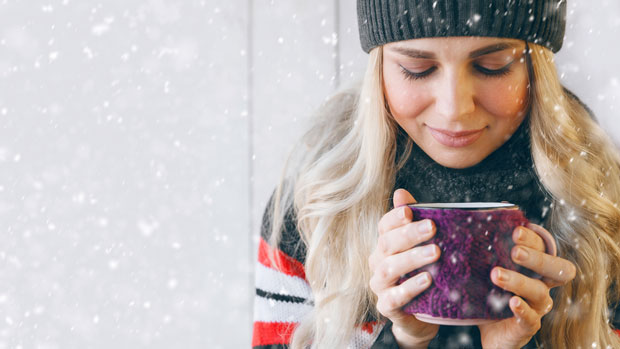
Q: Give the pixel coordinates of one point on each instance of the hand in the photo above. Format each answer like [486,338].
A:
[532,300]
[397,254]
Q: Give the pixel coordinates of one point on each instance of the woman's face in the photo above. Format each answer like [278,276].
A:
[458,98]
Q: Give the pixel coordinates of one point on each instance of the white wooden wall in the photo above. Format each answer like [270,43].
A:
[140,141]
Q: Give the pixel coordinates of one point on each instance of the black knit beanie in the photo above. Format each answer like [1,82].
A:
[539,21]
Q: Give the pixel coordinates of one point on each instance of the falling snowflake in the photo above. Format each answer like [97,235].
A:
[454,296]
[465,339]
[498,302]
[102,28]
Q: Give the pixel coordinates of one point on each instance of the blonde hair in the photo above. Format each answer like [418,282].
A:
[579,165]
[339,179]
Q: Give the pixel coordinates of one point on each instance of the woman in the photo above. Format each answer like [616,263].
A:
[460,102]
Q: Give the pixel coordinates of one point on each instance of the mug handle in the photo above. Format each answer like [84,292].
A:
[551,247]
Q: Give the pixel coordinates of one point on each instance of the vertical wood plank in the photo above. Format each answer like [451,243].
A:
[293,72]
[352,58]
[124,174]
[589,61]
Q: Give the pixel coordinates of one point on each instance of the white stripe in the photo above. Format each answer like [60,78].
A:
[274,281]
[270,310]
[363,339]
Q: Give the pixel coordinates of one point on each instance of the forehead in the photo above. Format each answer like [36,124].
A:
[453,47]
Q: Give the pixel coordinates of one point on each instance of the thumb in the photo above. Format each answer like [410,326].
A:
[402,197]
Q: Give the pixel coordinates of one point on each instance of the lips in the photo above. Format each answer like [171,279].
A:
[456,139]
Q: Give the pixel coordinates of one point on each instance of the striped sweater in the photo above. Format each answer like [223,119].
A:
[283,297]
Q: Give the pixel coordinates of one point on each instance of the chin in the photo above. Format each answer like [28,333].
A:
[457,161]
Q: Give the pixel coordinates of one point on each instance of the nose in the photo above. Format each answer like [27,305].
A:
[454,96]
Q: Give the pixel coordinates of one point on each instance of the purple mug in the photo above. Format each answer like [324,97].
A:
[474,237]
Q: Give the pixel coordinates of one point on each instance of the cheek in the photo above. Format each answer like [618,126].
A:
[506,98]
[404,99]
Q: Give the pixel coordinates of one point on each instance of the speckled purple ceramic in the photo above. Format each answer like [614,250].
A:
[473,238]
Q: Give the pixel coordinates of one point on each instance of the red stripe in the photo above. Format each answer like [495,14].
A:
[618,332]
[368,326]
[288,264]
[266,333]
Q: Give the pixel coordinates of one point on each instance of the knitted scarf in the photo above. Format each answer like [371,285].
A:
[507,174]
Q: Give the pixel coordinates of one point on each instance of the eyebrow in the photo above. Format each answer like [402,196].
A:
[413,53]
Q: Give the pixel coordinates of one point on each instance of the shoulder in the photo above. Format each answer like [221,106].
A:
[330,122]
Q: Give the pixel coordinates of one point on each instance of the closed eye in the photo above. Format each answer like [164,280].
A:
[494,72]
[409,75]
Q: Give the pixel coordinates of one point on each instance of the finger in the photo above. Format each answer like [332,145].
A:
[556,271]
[524,236]
[391,300]
[393,267]
[400,214]
[527,319]
[406,237]
[397,217]
[402,197]
[533,290]
[551,246]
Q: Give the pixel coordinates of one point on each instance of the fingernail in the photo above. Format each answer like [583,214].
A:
[429,251]
[401,212]
[518,306]
[519,233]
[426,226]
[501,275]
[521,253]
[548,309]
[422,279]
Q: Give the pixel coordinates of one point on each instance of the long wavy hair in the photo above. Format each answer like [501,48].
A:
[338,180]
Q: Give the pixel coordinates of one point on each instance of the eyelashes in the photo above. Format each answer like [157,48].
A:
[409,75]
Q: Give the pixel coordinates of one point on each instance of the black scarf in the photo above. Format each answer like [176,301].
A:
[507,174]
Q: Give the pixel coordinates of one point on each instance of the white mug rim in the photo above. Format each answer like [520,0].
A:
[465,205]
